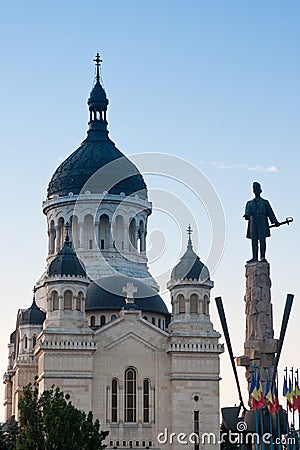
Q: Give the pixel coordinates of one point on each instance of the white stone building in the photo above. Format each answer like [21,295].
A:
[97,326]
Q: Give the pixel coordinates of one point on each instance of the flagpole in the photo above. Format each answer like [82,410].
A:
[287,416]
[261,417]
[293,414]
[277,409]
[298,406]
[297,378]
[256,414]
[270,414]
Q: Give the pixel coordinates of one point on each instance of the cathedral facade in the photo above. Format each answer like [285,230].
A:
[97,326]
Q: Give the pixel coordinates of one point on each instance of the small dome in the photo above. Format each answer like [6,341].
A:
[33,315]
[107,294]
[66,262]
[12,338]
[190,267]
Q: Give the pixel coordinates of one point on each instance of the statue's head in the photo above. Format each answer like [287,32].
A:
[257,188]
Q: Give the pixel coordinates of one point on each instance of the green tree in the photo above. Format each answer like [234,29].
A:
[3,442]
[52,423]
[8,434]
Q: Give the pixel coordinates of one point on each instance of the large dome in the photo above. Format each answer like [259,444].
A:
[107,294]
[89,166]
[94,154]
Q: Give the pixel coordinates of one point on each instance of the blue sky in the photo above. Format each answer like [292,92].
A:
[215,83]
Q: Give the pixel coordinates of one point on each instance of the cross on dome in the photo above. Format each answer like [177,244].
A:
[98,62]
[189,232]
[129,289]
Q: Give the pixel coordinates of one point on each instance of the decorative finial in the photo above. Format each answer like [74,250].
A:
[189,232]
[97,61]
[34,291]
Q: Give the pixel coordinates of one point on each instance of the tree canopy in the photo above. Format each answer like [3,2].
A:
[49,422]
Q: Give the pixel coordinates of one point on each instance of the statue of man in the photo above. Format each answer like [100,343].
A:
[257,212]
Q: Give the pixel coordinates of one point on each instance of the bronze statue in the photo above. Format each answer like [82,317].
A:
[257,212]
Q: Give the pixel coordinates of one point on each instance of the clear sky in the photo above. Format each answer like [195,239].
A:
[215,83]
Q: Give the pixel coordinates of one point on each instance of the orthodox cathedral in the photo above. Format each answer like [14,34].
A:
[97,326]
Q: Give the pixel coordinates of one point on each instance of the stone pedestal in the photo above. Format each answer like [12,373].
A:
[260,345]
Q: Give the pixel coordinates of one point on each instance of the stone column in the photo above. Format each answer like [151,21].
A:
[81,226]
[97,234]
[58,237]
[260,345]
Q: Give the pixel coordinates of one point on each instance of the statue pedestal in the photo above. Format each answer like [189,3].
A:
[260,345]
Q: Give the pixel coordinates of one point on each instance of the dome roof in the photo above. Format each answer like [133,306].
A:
[66,262]
[33,315]
[97,95]
[107,294]
[88,168]
[12,338]
[80,169]
[190,267]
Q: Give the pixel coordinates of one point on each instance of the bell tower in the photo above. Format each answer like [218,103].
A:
[194,350]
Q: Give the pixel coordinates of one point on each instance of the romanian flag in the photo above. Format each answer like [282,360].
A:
[268,395]
[275,395]
[252,387]
[284,388]
[288,392]
[296,396]
[258,400]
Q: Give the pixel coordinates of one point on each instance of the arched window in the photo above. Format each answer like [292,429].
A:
[130,395]
[104,232]
[181,304]
[113,317]
[142,236]
[60,238]
[68,300]
[118,236]
[133,233]
[114,400]
[55,301]
[102,320]
[79,301]
[74,232]
[196,429]
[159,323]
[52,234]
[33,340]
[146,403]
[93,321]
[153,320]
[25,342]
[145,318]
[194,304]
[88,232]
[206,304]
